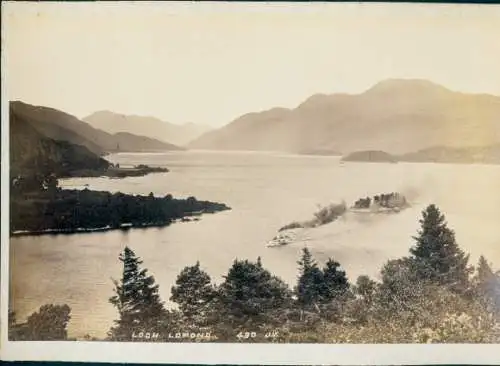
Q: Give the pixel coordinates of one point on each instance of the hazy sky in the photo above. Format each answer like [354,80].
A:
[209,63]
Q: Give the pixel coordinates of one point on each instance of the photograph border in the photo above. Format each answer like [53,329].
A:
[209,353]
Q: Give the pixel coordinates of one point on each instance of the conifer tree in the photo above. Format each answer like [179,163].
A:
[311,284]
[193,292]
[486,284]
[336,283]
[436,255]
[137,300]
[334,292]
[484,272]
[250,293]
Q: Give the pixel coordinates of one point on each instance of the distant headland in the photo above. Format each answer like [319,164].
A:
[489,154]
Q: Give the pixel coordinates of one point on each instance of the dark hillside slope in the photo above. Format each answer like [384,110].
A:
[61,126]
[33,153]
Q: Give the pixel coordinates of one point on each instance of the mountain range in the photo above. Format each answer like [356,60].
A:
[146,126]
[48,141]
[396,115]
[408,120]
[61,126]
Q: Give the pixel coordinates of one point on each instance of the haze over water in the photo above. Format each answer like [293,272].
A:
[265,191]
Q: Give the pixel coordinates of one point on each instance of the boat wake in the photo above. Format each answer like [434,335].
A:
[390,203]
[291,236]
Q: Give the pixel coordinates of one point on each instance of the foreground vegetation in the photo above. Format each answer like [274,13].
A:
[432,295]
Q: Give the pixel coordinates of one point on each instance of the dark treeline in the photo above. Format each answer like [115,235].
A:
[37,204]
[115,171]
[431,295]
[47,324]
[387,200]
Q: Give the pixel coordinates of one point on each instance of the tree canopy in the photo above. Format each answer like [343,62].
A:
[436,254]
[249,291]
[193,292]
[136,299]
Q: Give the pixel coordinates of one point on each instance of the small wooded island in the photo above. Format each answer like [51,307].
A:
[116,171]
[38,205]
[392,201]
[370,156]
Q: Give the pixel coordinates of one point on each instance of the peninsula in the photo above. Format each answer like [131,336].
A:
[38,205]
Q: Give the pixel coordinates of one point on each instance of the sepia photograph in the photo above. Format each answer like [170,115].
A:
[233,175]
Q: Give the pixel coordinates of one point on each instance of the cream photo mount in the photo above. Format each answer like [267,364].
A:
[205,352]
[253,354]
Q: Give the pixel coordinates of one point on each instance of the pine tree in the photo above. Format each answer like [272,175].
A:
[436,255]
[335,279]
[311,284]
[137,300]
[484,271]
[250,293]
[334,291]
[486,285]
[193,292]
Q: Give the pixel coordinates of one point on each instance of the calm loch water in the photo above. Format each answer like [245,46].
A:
[265,191]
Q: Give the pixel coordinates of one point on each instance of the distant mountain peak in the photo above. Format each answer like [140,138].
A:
[405,85]
[318,99]
[144,125]
[394,115]
[315,98]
